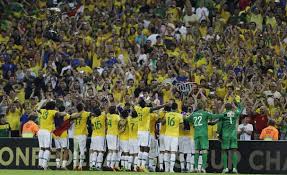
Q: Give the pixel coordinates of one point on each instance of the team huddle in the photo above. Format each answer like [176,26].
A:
[137,138]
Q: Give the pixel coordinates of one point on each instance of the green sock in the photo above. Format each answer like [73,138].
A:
[196,156]
[224,159]
[204,160]
[234,160]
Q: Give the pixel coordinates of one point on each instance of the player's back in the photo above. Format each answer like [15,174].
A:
[112,124]
[229,123]
[81,124]
[173,121]
[144,118]
[125,134]
[46,119]
[133,127]
[200,123]
[99,125]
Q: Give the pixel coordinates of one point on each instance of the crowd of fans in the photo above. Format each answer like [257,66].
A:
[109,52]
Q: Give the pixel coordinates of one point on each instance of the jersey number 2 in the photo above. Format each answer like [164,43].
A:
[197,121]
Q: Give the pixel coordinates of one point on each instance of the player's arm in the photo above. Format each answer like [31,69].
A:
[75,116]
[156,108]
[189,119]
[61,114]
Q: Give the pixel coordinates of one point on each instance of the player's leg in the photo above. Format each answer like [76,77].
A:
[161,153]
[167,143]
[152,154]
[173,150]
[93,153]
[192,148]
[76,153]
[234,147]
[187,149]
[109,156]
[225,145]
[196,153]
[65,157]
[100,148]
[42,150]
[47,146]
[181,154]
[204,152]
[82,146]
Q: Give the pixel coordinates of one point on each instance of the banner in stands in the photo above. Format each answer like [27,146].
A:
[260,157]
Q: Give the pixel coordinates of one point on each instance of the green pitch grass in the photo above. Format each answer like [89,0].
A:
[54,172]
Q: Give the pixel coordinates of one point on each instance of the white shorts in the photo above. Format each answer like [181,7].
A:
[61,143]
[186,145]
[153,147]
[98,143]
[124,146]
[80,143]
[171,143]
[113,142]
[161,143]
[44,138]
[134,146]
[144,138]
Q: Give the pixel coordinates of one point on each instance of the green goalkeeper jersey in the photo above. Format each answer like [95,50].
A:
[229,123]
[199,119]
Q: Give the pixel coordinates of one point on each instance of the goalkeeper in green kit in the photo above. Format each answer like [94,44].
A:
[229,135]
[199,119]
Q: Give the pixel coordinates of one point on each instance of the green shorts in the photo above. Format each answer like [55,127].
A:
[229,143]
[201,143]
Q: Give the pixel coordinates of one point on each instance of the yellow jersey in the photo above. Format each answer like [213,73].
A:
[153,119]
[133,127]
[81,124]
[173,121]
[99,125]
[125,134]
[113,124]
[13,118]
[46,119]
[144,118]
[163,126]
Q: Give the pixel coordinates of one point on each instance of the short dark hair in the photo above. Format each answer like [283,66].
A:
[50,105]
[174,106]
[62,108]
[97,111]
[200,105]
[80,107]
[228,106]
[134,114]
[167,108]
[142,103]
[271,122]
[125,113]
[112,110]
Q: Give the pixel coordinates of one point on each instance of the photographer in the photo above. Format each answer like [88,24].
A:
[245,129]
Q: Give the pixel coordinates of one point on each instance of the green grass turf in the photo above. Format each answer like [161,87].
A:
[54,172]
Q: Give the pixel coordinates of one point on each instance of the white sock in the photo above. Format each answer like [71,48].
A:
[118,158]
[58,163]
[94,158]
[181,159]
[100,160]
[160,158]
[172,162]
[64,164]
[109,159]
[140,157]
[144,159]
[166,162]
[200,162]
[188,162]
[123,163]
[113,159]
[40,158]
[130,161]
[82,158]
[75,158]
[127,162]
[46,158]
[152,163]
[136,162]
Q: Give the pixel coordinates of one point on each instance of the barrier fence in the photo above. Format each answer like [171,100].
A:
[259,157]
